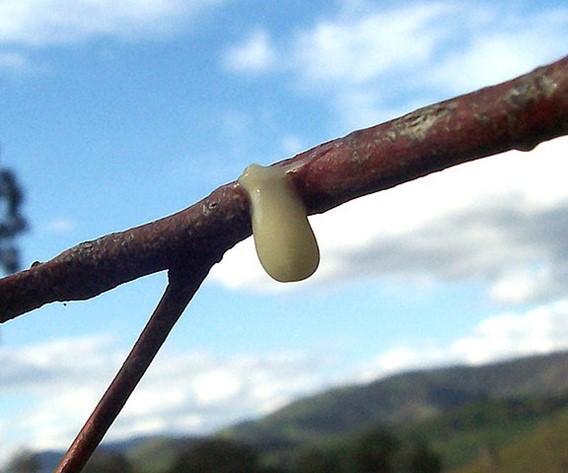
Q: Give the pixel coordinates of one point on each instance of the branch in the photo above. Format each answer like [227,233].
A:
[518,114]
[180,290]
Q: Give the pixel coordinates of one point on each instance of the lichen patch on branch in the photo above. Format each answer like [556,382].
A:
[517,114]
[417,125]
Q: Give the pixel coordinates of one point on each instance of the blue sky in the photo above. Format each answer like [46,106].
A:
[114,114]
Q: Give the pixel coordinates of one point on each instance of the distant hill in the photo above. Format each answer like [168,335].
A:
[411,396]
[543,449]
[469,432]
[156,454]
[457,409]
[148,454]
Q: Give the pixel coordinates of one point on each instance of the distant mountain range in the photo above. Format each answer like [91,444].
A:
[411,396]
[496,399]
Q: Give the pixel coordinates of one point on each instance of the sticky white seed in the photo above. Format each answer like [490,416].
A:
[285,243]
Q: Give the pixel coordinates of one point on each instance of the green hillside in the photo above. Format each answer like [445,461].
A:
[461,435]
[155,455]
[544,449]
[459,411]
[510,410]
[414,396]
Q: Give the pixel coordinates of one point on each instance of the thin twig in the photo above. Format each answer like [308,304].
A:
[181,288]
[517,114]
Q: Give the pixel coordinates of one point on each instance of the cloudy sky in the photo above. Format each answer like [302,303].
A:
[117,113]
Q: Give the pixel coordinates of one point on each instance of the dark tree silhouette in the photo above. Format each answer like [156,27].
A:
[317,461]
[23,461]
[381,451]
[217,456]
[517,114]
[376,452]
[423,459]
[108,462]
[12,223]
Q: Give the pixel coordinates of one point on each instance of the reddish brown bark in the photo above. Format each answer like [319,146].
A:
[180,290]
[517,114]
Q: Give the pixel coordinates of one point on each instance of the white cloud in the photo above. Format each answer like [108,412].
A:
[39,23]
[58,226]
[526,284]
[500,221]
[253,55]
[371,62]
[14,61]
[509,335]
[358,50]
[50,363]
[200,392]
[27,25]
[49,387]
[292,145]
[360,63]
[56,385]
[500,49]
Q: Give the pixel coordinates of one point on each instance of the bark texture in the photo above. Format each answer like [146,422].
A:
[518,114]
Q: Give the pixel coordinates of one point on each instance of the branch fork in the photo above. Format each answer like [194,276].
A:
[518,114]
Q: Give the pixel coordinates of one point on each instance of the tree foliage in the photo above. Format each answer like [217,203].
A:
[317,461]
[108,462]
[517,114]
[217,456]
[423,460]
[375,452]
[12,223]
[23,461]
[381,451]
